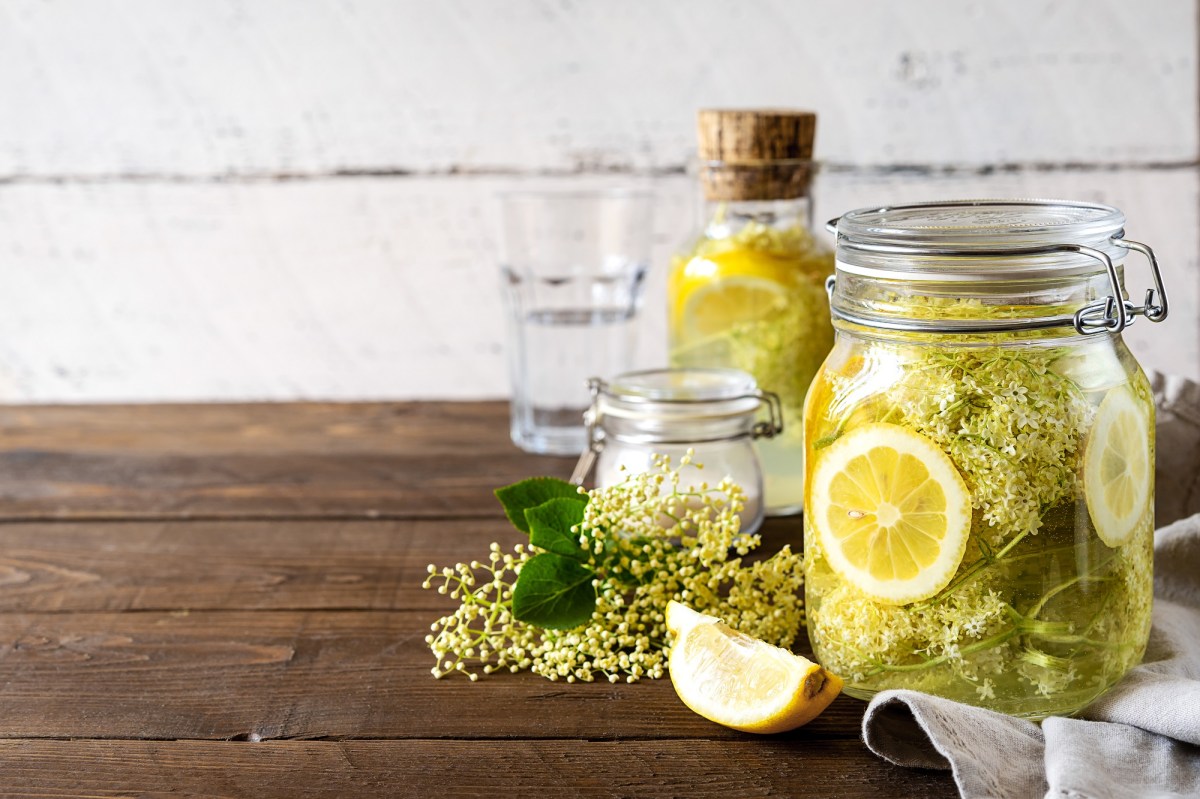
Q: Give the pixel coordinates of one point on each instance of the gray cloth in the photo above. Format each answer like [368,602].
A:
[1142,738]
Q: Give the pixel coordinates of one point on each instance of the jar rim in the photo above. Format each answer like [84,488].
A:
[980,239]
[693,385]
[679,396]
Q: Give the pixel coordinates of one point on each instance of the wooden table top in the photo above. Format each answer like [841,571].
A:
[226,600]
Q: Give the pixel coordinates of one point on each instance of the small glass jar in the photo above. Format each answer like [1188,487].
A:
[718,413]
[980,456]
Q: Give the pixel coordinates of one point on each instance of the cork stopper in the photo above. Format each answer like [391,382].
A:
[749,154]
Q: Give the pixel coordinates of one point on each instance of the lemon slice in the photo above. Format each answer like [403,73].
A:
[713,292]
[892,512]
[717,306]
[742,682]
[1116,467]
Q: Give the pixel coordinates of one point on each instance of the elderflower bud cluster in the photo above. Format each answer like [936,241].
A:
[651,540]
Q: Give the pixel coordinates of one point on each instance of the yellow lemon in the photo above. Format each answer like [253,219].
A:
[892,512]
[742,682]
[714,292]
[1116,467]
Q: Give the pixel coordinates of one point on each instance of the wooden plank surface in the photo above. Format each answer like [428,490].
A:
[144,651]
[213,565]
[418,429]
[297,674]
[486,769]
[188,461]
[260,565]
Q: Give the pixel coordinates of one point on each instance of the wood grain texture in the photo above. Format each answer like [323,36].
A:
[143,658]
[759,768]
[309,674]
[347,460]
[264,565]
[180,217]
[455,430]
[210,565]
[196,88]
[378,288]
[255,461]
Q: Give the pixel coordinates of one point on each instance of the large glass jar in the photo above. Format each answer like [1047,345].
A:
[747,292]
[980,448]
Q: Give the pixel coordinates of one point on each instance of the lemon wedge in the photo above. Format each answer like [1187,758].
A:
[742,682]
[892,512]
[1116,467]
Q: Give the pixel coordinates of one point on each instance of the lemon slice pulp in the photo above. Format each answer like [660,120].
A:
[891,511]
[1116,467]
[713,308]
[720,290]
[742,682]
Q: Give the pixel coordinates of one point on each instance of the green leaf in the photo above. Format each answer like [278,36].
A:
[519,497]
[554,592]
[550,527]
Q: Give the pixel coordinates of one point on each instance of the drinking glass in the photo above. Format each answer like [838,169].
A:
[573,264]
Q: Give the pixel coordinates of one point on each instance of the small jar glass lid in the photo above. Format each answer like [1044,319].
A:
[977,239]
[680,394]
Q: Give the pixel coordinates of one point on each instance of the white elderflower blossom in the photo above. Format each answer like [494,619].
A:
[650,546]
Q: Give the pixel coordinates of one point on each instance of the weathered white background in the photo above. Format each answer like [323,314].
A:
[279,199]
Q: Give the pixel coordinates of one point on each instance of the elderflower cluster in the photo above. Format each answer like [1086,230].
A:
[859,638]
[1012,426]
[784,348]
[653,540]
[483,618]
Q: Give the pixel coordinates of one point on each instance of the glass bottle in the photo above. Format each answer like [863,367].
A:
[980,506]
[748,292]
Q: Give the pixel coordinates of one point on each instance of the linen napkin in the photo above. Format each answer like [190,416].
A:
[1142,738]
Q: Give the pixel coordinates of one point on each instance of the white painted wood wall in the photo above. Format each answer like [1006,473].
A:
[281,199]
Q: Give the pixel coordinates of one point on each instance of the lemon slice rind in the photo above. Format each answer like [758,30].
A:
[891,442]
[1117,498]
[742,682]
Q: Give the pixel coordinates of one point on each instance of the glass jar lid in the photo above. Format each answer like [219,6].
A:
[681,394]
[993,239]
[679,407]
[997,242]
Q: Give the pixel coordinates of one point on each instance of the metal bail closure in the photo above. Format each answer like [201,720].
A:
[773,426]
[1155,307]
[595,435]
[1114,313]
[1109,314]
